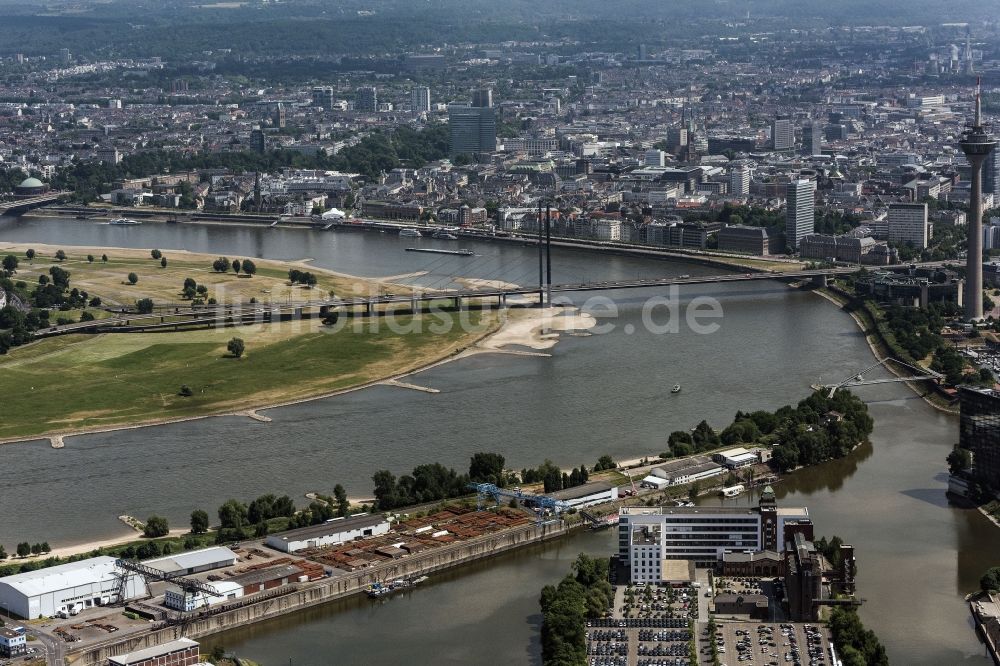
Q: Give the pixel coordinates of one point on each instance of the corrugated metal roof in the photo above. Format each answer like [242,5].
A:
[62,577]
[193,559]
[151,652]
[334,526]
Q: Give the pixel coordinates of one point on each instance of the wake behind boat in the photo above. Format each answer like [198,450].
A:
[461,253]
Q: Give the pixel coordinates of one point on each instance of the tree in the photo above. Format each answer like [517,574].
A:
[199,521]
[990,582]
[249,268]
[236,347]
[156,254]
[385,490]
[604,462]
[144,305]
[36,549]
[60,277]
[90,258]
[104,258]
[132,278]
[959,460]
[60,255]
[487,468]
[694,490]
[233,514]
[236,265]
[220,265]
[3,553]
[185,391]
[30,254]
[23,549]
[10,264]
[156,526]
[340,495]
[45,547]
[163,262]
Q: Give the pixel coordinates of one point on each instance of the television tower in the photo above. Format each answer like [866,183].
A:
[976,144]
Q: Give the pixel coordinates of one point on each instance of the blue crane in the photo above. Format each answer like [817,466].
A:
[490,491]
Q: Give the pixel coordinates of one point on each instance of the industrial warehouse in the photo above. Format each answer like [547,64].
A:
[331,533]
[66,588]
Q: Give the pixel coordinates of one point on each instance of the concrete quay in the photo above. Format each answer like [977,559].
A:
[986,614]
[301,596]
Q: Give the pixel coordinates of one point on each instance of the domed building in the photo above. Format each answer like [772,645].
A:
[31,187]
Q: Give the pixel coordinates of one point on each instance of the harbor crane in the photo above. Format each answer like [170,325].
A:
[486,492]
[126,569]
[858,379]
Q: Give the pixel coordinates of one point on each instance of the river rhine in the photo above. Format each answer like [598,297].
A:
[606,393]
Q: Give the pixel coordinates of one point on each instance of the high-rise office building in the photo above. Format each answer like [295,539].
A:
[800,214]
[677,139]
[812,139]
[991,175]
[782,134]
[739,179]
[979,431]
[279,117]
[322,97]
[420,99]
[654,157]
[472,129]
[257,143]
[907,223]
[366,99]
[482,97]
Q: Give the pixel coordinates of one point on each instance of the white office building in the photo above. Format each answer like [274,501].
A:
[650,539]
[782,134]
[800,214]
[188,600]
[739,180]
[907,223]
[65,588]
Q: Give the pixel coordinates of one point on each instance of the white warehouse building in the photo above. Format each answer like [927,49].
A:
[194,561]
[331,533]
[66,587]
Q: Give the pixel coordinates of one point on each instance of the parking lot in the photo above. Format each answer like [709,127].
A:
[773,644]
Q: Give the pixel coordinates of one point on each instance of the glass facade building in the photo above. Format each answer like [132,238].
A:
[979,431]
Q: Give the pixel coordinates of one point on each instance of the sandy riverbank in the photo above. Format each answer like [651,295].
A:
[89,546]
[537,328]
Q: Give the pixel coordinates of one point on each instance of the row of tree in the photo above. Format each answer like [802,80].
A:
[24,549]
[553,478]
[583,594]
[856,645]
[222,265]
[295,276]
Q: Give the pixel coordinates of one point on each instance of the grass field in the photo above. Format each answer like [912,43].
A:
[78,382]
[109,280]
